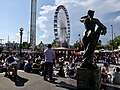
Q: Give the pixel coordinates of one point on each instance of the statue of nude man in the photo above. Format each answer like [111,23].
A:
[91,37]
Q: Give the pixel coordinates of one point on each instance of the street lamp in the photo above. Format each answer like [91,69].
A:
[21,33]
[79,37]
[112,38]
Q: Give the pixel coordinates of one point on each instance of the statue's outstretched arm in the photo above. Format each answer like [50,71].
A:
[102,27]
[82,19]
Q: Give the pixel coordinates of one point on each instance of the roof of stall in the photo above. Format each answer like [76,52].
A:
[64,49]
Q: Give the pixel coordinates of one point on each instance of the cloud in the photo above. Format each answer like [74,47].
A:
[46,9]
[45,23]
[43,36]
[76,9]
[41,23]
[17,35]
[75,2]
[117,19]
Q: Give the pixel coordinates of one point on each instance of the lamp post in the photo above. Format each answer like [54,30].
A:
[79,37]
[80,43]
[21,33]
[112,38]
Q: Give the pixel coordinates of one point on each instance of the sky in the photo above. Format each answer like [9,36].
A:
[15,14]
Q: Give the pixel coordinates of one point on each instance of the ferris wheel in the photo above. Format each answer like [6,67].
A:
[61,25]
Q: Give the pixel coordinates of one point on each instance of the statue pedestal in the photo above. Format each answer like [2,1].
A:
[88,79]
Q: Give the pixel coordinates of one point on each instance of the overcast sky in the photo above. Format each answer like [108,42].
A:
[16,13]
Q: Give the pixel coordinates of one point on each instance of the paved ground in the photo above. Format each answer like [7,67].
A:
[29,81]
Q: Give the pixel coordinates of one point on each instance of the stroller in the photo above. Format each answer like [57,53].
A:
[72,71]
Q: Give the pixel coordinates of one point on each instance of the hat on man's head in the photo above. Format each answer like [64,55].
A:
[90,11]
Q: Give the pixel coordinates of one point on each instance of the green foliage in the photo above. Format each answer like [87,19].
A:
[25,45]
[115,42]
[79,46]
[98,47]
[76,45]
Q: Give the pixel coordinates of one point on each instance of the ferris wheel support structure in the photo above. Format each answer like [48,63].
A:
[61,25]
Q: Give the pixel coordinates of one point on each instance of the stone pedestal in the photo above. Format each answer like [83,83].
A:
[88,79]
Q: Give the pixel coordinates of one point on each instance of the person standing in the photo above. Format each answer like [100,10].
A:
[116,76]
[49,61]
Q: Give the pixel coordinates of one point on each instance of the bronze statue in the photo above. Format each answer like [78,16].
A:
[91,37]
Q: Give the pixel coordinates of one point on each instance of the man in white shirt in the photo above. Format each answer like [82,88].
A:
[49,60]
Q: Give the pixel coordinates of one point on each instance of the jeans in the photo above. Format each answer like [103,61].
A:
[48,70]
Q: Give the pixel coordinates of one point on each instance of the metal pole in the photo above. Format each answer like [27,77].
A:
[21,32]
[79,37]
[112,38]
[28,37]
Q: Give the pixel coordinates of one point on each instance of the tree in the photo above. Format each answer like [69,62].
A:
[114,43]
[99,45]
[76,45]
[79,46]
[25,45]
[111,44]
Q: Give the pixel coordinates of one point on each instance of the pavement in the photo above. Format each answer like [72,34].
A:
[30,81]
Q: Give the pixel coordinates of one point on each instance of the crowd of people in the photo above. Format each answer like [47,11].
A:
[111,76]
[59,64]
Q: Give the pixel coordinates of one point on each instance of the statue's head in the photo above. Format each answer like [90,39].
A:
[91,13]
